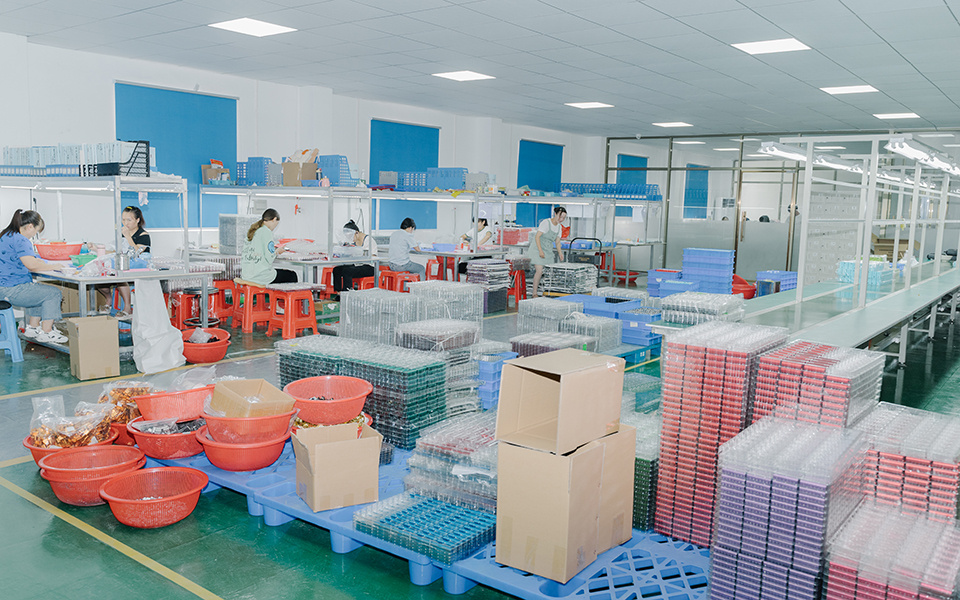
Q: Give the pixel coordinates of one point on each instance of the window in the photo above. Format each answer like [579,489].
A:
[695,192]
[403,148]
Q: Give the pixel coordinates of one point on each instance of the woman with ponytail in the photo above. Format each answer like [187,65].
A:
[259,252]
[40,303]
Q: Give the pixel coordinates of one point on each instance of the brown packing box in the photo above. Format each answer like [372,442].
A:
[557,513]
[210,172]
[335,468]
[292,172]
[94,347]
[230,398]
[71,297]
[558,401]
[308,171]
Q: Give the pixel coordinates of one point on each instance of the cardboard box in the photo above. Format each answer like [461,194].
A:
[557,513]
[558,401]
[71,297]
[230,397]
[94,347]
[308,171]
[335,468]
[291,174]
[209,172]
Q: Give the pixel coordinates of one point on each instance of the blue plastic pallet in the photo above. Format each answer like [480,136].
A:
[648,565]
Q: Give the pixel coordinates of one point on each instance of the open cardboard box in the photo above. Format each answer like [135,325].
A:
[230,398]
[558,401]
[557,513]
[335,468]
[94,347]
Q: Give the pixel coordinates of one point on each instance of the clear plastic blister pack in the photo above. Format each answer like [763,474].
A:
[569,278]
[691,308]
[373,315]
[530,344]
[607,331]
[538,315]
[489,273]
[461,301]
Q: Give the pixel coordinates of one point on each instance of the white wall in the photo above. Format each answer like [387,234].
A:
[56,96]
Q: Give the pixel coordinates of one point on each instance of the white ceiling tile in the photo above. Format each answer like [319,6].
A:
[402,6]
[914,23]
[345,12]
[621,13]
[512,11]
[820,34]
[654,29]
[692,7]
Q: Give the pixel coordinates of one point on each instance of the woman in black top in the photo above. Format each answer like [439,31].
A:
[135,241]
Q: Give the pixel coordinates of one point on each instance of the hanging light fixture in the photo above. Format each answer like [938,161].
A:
[923,154]
[826,160]
[783,151]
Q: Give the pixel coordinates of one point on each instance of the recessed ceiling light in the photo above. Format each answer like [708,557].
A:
[690,142]
[771,46]
[885,116]
[463,76]
[849,89]
[673,124]
[759,155]
[588,105]
[830,147]
[935,135]
[951,145]
[727,149]
[252,27]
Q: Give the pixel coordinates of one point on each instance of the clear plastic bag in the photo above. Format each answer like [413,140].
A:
[158,427]
[121,394]
[210,410]
[199,336]
[192,379]
[50,428]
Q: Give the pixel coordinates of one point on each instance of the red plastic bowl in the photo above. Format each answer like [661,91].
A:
[123,438]
[58,251]
[152,498]
[206,353]
[39,453]
[83,492]
[174,445]
[241,457]
[90,462]
[742,286]
[182,406]
[349,394]
[247,430]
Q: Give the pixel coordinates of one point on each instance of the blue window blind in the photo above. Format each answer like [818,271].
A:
[530,215]
[695,193]
[188,130]
[627,161]
[403,148]
[539,165]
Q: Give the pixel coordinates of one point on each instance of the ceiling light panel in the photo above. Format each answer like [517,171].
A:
[463,76]
[688,142]
[849,89]
[727,149]
[935,135]
[252,27]
[673,124]
[588,105]
[771,46]
[888,116]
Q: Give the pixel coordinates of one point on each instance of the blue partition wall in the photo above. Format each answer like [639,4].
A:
[403,148]
[188,130]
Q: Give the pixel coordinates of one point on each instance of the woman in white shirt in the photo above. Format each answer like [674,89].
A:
[483,234]
[543,243]
[344,275]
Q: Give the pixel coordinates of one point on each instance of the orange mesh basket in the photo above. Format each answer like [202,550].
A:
[152,498]
[348,395]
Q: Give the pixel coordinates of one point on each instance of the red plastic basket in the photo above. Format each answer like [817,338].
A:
[90,462]
[182,406]
[83,492]
[123,438]
[206,353]
[241,457]
[247,430]
[39,453]
[174,445]
[58,251]
[152,498]
[349,394]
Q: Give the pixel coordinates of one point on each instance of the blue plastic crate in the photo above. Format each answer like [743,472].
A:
[255,170]
[411,181]
[490,386]
[708,252]
[638,339]
[668,288]
[611,310]
[336,168]
[662,275]
[447,178]
[630,319]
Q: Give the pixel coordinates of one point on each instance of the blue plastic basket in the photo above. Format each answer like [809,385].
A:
[254,170]
[448,178]
[411,182]
[336,168]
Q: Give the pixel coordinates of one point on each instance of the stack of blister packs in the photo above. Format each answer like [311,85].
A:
[442,531]
[914,459]
[449,299]
[538,315]
[530,344]
[707,374]
[817,383]
[785,488]
[645,465]
[691,308]
[409,386]
[636,326]
[568,278]
[493,275]
[452,341]
[883,553]
[622,293]
[643,391]
[456,461]
[607,331]
[233,232]
[373,315]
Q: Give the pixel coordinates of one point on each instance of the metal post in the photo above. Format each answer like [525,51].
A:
[904,339]
[805,223]
[912,237]
[871,209]
[940,223]
[117,209]
[666,204]
[791,221]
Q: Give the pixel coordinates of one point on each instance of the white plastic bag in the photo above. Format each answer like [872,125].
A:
[157,345]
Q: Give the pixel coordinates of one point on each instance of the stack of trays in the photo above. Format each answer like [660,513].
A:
[607,331]
[678,286]
[787,279]
[373,315]
[816,383]
[491,366]
[530,344]
[692,308]
[657,277]
[645,465]
[712,268]
[642,391]
[568,278]
[537,315]
[461,301]
[636,326]
[706,371]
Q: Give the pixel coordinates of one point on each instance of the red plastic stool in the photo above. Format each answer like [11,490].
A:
[326,280]
[298,312]
[434,270]
[519,288]
[403,278]
[364,283]
[256,305]
[388,280]
[220,308]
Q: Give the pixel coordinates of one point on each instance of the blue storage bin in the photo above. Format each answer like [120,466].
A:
[446,178]
[630,319]
[611,310]
[411,181]
[255,170]
[490,386]
[336,168]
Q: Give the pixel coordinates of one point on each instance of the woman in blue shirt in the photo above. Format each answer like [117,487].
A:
[40,303]
[401,243]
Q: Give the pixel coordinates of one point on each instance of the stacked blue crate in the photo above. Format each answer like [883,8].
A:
[336,168]
[448,178]
[491,366]
[636,326]
[678,286]
[711,267]
[659,276]
[787,279]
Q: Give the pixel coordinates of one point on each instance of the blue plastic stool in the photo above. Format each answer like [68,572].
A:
[9,340]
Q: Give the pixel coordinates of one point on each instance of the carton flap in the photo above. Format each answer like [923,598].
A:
[568,360]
